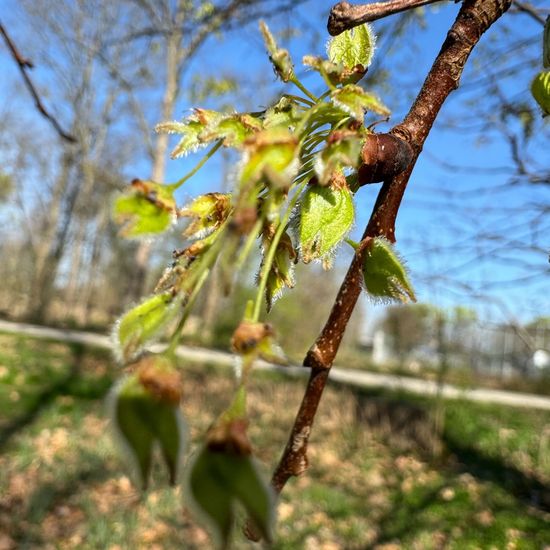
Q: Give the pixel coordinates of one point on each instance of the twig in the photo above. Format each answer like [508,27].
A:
[24,65]
[474,18]
[344,15]
[529,9]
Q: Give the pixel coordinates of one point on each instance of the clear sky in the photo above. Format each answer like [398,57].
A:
[446,208]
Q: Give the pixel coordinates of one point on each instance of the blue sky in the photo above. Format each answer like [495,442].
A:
[443,210]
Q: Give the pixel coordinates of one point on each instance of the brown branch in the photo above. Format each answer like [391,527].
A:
[474,18]
[344,16]
[24,64]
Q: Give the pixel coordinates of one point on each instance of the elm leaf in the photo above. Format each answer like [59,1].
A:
[326,217]
[355,101]
[141,324]
[219,480]
[353,47]
[146,209]
[384,275]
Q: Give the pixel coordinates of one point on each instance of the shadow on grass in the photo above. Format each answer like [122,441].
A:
[522,485]
[74,383]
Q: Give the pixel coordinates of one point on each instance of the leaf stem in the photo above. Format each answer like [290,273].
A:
[271,252]
[199,165]
[303,89]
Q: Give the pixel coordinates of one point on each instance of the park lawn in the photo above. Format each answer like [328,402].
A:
[64,485]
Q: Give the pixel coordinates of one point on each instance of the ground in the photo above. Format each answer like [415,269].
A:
[374,480]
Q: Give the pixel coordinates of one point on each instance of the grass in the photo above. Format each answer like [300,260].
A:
[64,485]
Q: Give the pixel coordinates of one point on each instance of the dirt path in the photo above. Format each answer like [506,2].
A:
[351,377]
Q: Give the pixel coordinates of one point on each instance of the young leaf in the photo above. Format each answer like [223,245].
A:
[343,150]
[336,73]
[208,212]
[326,216]
[146,209]
[145,410]
[540,88]
[271,154]
[141,324]
[384,275]
[284,114]
[233,129]
[219,480]
[353,47]
[281,274]
[279,57]
[355,101]
[192,130]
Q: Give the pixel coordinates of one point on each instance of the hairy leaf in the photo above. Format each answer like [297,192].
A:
[218,480]
[355,101]
[208,211]
[353,47]
[141,324]
[272,155]
[279,57]
[142,417]
[326,217]
[384,274]
[343,150]
[336,73]
[233,129]
[540,88]
[146,209]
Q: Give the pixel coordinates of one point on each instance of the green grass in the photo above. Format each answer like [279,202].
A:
[64,485]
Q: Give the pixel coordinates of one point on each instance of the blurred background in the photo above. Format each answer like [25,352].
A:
[473,228]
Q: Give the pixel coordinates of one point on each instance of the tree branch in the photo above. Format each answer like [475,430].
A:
[344,16]
[24,65]
[474,18]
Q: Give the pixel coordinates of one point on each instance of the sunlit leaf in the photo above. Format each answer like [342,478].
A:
[355,101]
[384,275]
[233,129]
[336,73]
[145,209]
[142,323]
[284,113]
[353,47]
[281,274]
[279,57]
[208,212]
[326,217]
[272,155]
[343,150]
[540,88]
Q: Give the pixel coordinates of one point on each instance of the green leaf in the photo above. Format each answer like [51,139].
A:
[208,211]
[353,47]
[336,73]
[284,113]
[233,129]
[540,88]
[281,274]
[146,209]
[355,101]
[219,480]
[192,130]
[141,418]
[326,217]
[343,150]
[272,155]
[141,324]
[279,57]
[384,274]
